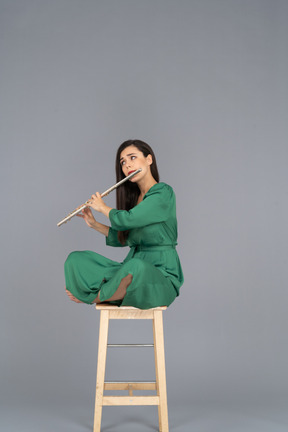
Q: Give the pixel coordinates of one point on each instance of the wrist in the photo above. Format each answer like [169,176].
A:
[106,210]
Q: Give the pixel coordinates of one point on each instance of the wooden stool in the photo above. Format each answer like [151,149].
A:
[108,312]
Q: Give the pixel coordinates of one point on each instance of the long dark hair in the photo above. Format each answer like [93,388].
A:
[127,194]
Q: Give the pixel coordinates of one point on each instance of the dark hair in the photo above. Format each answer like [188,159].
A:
[127,194]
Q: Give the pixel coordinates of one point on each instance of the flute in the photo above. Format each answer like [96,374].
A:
[83,206]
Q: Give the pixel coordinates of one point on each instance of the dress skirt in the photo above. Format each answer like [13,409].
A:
[87,273]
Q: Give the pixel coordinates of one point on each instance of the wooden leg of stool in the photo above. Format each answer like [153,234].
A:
[102,352]
[157,379]
[160,370]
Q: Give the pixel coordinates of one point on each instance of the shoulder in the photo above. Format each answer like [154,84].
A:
[162,189]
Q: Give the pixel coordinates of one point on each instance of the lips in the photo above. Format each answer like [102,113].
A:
[130,172]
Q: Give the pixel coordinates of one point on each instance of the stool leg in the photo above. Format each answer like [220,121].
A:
[157,379]
[102,353]
[160,370]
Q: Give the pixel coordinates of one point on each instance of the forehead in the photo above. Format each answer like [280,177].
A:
[128,150]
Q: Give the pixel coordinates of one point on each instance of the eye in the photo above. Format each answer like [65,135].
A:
[122,163]
[133,157]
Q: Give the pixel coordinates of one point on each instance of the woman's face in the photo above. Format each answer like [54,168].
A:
[132,159]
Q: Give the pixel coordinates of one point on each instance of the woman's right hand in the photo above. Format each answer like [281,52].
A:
[87,215]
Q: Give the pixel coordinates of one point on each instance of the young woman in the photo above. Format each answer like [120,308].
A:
[145,220]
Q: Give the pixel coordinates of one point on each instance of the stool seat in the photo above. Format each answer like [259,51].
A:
[110,306]
[128,312]
[107,312]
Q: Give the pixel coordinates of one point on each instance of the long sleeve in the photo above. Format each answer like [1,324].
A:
[153,209]
[112,238]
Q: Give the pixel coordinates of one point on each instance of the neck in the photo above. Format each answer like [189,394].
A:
[145,185]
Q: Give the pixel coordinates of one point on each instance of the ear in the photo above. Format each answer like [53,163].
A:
[149,159]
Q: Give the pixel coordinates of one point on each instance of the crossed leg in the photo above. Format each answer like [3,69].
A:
[72,297]
[120,292]
[118,295]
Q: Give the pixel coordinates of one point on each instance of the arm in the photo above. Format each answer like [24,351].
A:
[92,223]
[110,233]
[101,228]
[156,207]
[112,239]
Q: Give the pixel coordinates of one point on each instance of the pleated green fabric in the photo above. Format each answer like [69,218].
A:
[152,260]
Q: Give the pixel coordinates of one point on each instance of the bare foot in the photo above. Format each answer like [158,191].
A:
[72,297]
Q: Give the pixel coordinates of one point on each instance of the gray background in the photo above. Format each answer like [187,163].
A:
[204,82]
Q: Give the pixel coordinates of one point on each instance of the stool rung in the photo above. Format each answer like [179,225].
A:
[128,385]
[130,400]
[129,345]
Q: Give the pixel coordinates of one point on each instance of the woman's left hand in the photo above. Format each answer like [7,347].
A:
[98,204]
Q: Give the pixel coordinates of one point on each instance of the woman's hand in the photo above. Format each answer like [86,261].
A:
[98,204]
[87,215]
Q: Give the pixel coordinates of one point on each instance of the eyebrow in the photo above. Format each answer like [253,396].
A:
[130,154]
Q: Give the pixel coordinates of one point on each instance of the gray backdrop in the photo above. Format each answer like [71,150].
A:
[204,82]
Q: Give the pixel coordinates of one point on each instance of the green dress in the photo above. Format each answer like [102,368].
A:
[152,260]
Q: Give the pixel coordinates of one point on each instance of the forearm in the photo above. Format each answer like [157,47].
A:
[101,228]
[106,210]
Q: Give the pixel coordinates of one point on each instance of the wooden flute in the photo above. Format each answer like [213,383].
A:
[83,206]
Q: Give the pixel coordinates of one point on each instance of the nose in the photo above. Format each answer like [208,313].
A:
[128,165]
